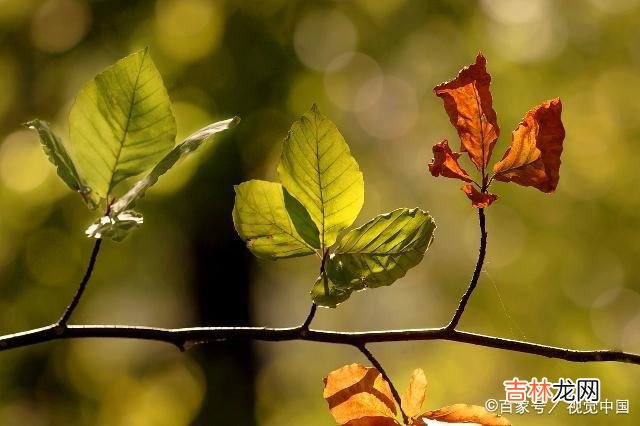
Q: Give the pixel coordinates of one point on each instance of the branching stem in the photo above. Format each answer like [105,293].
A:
[189,337]
[185,338]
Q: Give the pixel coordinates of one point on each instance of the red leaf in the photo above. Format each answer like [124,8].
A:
[478,199]
[468,103]
[445,163]
[533,159]
[359,396]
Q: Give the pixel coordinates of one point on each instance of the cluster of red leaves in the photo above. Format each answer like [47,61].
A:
[359,396]
[533,159]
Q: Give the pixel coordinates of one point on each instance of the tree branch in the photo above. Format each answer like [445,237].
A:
[372,359]
[188,337]
[476,273]
[62,322]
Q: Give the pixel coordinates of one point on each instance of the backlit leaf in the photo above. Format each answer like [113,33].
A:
[326,293]
[381,251]
[359,396]
[413,398]
[189,145]
[465,413]
[57,153]
[533,159]
[317,168]
[468,103]
[445,163]
[121,124]
[478,199]
[263,222]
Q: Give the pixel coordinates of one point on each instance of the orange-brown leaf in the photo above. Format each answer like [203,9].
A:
[465,413]
[359,396]
[445,163]
[373,421]
[478,199]
[468,103]
[413,398]
[533,159]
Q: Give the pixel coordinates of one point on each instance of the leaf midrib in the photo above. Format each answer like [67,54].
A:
[320,189]
[126,129]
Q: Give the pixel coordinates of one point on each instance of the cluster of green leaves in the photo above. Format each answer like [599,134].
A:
[321,194]
[120,126]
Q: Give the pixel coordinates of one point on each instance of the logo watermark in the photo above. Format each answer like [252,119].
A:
[540,396]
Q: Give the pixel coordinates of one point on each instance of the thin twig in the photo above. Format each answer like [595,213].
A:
[62,322]
[476,274]
[372,359]
[307,322]
[197,335]
[312,312]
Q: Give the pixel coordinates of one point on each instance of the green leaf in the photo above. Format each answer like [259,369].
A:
[189,145]
[325,293]
[317,168]
[301,220]
[380,252]
[262,220]
[121,124]
[117,228]
[59,157]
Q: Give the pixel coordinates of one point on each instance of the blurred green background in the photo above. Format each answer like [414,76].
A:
[561,269]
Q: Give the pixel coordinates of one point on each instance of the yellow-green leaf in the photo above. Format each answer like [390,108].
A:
[121,124]
[317,168]
[263,222]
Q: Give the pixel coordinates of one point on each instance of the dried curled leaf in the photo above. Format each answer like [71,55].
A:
[413,398]
[465,413]
[533,159]
[445,163]
[478,199]
[359,396]
[468,103]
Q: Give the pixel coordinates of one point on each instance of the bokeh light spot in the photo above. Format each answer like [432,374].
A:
[59,25]
[322,35]
[345,78]
[395,111]
[23,165]
[189,30]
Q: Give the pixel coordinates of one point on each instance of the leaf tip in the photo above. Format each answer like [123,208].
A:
[445,163]
[234,121]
